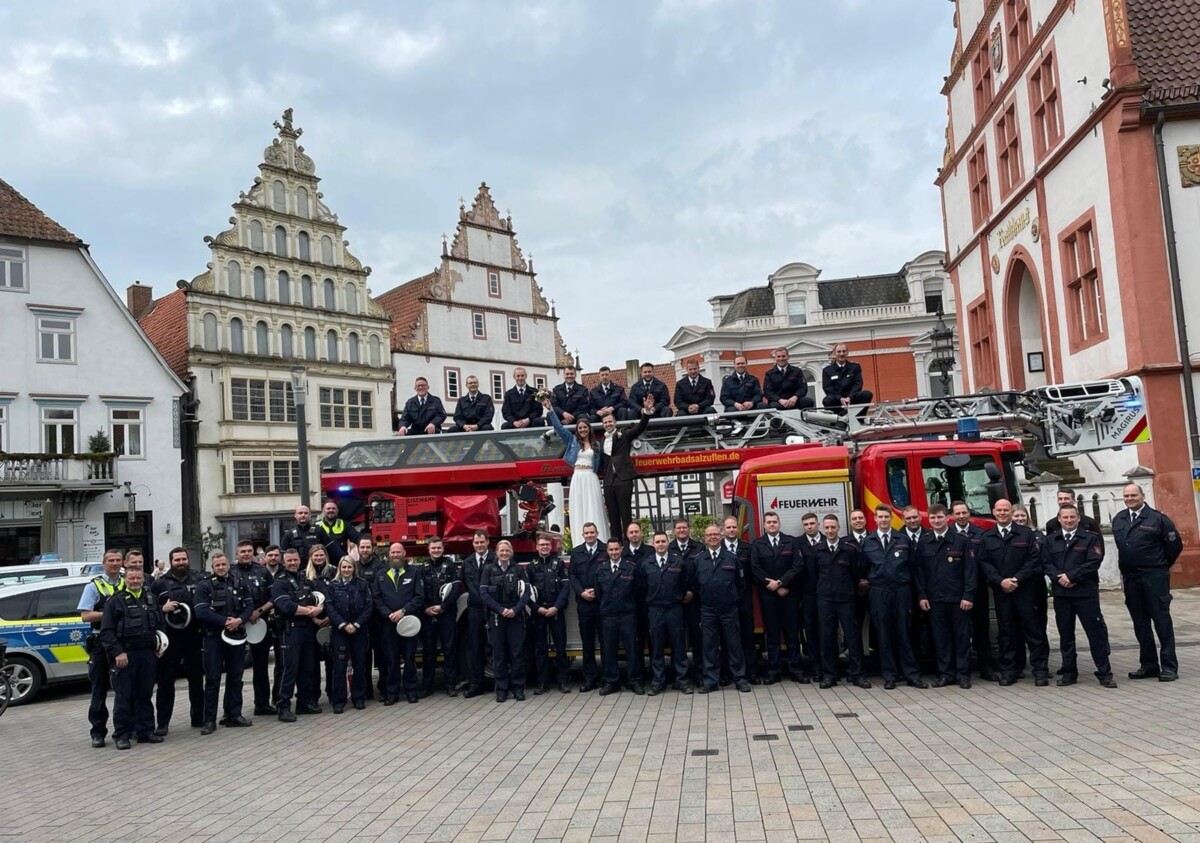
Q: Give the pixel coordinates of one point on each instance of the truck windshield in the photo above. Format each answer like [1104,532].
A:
[970,484]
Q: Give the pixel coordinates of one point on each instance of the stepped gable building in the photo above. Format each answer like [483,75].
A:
[282,292]
[1071,192]
[89,410]
[480,312]
[885,321]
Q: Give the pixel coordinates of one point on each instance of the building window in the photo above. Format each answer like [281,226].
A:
[211,341]
[306,290]
[981,71]
[514,329]
[331,346]
[12,268]
[351,294]
[262,338]
[251,477]
[237,342]
[494,284]
[285,287]
[302,202]
[256,236]
[981,196]
[260,284]
[126,426]
[233,279]
[4,427]
[352,353]
[453,379]
[1045,106]
[1019,27]
[327,250]
[261,400]
[279,196]
[539,381]
[933,296]
[375,350]
[797,311]
[330,295]
[1008,150]
[979,324]
[303,246]
[287,475]
[286,338]
[478,326]
[281,246]
[1086,317]
[346,408]
[56,339]
[310,344]
[498,386]
[60,427]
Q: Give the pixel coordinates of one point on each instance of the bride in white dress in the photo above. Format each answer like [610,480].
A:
[583,454]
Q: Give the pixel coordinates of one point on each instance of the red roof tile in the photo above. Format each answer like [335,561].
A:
[21,218]
[166,326]
[1166,48]
[403,305]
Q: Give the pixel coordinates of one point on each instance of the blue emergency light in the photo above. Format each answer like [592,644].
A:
[967,429]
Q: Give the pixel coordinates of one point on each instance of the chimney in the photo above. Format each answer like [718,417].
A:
[138,299]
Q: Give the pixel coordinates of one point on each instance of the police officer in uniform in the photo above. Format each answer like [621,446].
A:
[840,570]
[887,554]
[616,591]
[302,535]
[548,621]
[222,605]
[177,587]
[334,533]
[1147,546]
[505,592]
[91,610]
[292,595]
[439,618]
[128,630]
[476,625]
[720,581]
[775,564]
[666,584]
[684,551]
[256,581]
[945,576]
[586,558]
[348,605]
[1071,558]
[370,563]
[399,592]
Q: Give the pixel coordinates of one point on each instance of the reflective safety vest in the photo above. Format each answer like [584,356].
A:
[106,590]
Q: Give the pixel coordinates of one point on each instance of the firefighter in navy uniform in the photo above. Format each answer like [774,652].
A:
[399,592]
[585,559]
[733,543]
[684,550]
[128,630]
[547,621]
[616,592]
[302,535]
[370,563]
[256,581]
[775,563]
[1147,546]
[439,619]
[91,610]
[810,620]
[945,575]
[887,554]
[666,584]
[840,571]
[177,587]
[292,594]
[720,581]
[348,606]
[505,592]
[1071,558]
[475,628]
[981,618]
[334,533]
[222,605]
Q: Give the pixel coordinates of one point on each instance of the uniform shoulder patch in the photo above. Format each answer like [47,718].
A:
[1172,536]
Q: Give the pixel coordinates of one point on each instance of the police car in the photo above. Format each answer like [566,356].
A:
[46,639]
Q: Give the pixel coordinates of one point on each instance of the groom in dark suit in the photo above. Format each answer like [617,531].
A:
[618,470]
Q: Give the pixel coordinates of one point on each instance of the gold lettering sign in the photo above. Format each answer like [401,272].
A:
[1013,227]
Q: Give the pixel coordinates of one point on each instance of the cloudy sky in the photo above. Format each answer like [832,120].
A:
[654,153]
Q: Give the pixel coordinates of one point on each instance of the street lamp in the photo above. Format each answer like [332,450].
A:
[300,398]
[942,339]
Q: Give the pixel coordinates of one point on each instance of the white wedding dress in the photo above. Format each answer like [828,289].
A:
[587,501]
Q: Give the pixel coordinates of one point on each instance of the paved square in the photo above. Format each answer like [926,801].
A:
[992,763]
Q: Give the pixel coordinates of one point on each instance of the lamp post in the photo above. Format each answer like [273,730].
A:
[942,339]
[300,398]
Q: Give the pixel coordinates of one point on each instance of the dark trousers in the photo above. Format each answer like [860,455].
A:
[781,618]
[375,656]
[260,657]
[695,641]
[810,622]
[221,658]
[617,632]
[182,658]
[538,422]
[891,617]
[133,710]
[508,653]
[1148,599]
[834,614]
[618,503]
[719,626]
[299,657]
[667,628]
[100,675]
[544,630]
[951,639]
[1087,611]
[439,632]
[589,627]
[704,410]
[350,651]
[277,670]
[805,403]
[746,627]
[458,428]
[981,629]
[1017,618]
[921,638]
[401,656]
[477,636]
[863,397]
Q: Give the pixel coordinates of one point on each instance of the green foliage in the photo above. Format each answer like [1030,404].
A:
[98,443]
[698,523]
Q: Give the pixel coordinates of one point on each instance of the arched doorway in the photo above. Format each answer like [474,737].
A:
[1027,359]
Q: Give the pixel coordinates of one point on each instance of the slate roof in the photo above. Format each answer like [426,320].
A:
[403,306]
[756,301]
[166,326]
[865,291]
[1165,38]
[21,218]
